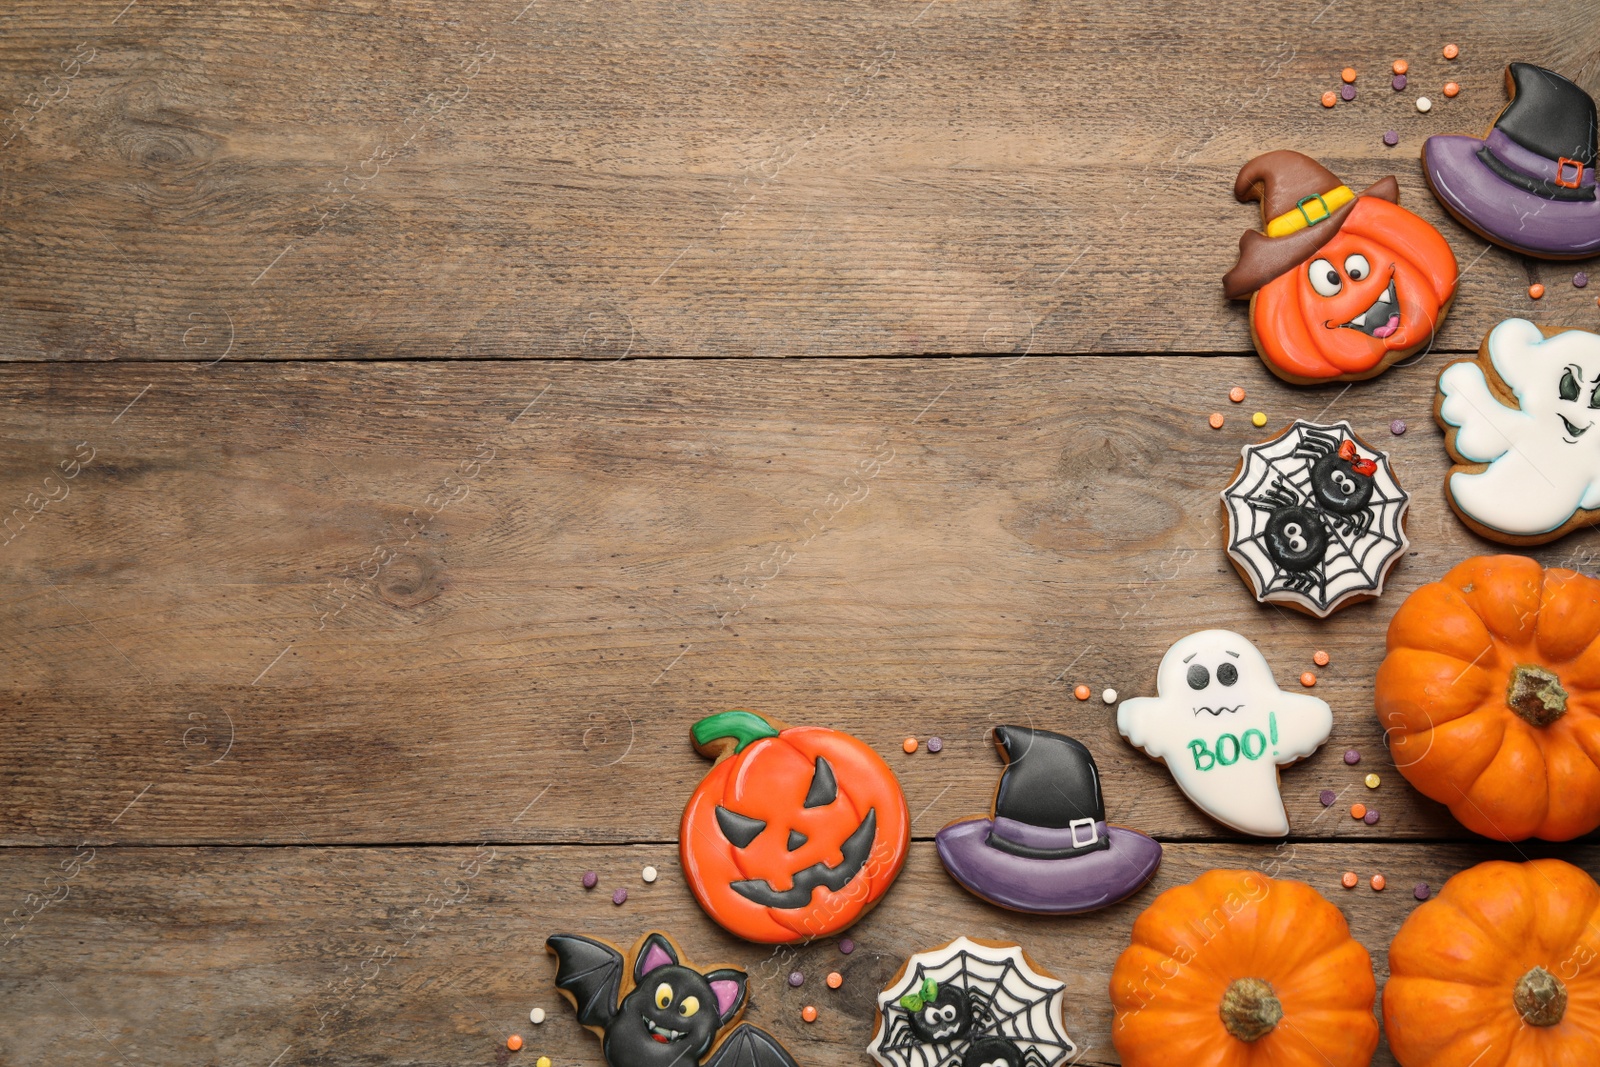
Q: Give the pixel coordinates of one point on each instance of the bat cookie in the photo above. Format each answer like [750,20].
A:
[660,1011]
[796,832]
[1223,728]
[1046,847]
[971,1003]
[1517,421]
[1315,518]
[1341,284]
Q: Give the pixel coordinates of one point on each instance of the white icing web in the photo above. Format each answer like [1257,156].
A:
[1007,998]
[1357,558]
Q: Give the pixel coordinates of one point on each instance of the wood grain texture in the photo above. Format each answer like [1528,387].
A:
[424,179]
[434,956]
[274,598]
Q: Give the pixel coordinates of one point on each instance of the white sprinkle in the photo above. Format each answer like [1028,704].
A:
[649,874]
[536,1016]
[1424,105]
[1109,696]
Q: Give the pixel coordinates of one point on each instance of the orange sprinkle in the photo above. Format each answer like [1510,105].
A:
[1082,692]
[514,1042]
[909,744]
[1330,98]
[1358,811]
[1320,658]
[1536,290]
[1348,75]
[835,979]
[1236,394]
[1215,420]
[808,1013]
[1451,51]
[1401,66]
[1308,679]
[1349,880]
[1451,88]
[1378,882]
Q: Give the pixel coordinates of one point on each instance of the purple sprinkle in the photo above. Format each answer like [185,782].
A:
[796,978]
[847,946]
[1348,92]
[619,896]
[1580,279]
[1397,427]
[1328,797]
[1399,82]
[1371,817]
[1352,757]
[1391,138]
[1422,892]
[590,879]
[935,744]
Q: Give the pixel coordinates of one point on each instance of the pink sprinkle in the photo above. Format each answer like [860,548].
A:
[619,896]
[1422,892]
[847,946]
[1352,757]
[590,879]
[935,744]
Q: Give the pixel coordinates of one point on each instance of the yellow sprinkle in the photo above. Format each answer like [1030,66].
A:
[542,1061]
[1259,419]
[1372,781]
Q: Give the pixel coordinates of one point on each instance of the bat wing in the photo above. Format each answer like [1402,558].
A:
[750,1046]
[589,972]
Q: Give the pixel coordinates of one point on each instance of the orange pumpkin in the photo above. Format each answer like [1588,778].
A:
[1502,968]
[795,833]
[1490,695]
[1236,969]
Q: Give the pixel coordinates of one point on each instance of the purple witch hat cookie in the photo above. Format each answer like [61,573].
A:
[1529,185]
[1046,848]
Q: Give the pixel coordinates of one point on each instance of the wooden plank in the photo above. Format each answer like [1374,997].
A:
[434,955]
[352,602]
[421,179]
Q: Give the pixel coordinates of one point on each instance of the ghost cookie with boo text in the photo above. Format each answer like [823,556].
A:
[1223,728]
[1518,421]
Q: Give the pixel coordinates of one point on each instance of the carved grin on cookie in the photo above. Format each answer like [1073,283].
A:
[661,1033]
[1382,317]
[855,850]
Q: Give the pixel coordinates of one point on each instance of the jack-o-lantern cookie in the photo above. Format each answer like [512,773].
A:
[971,1003]
[795,833]
[1517,421]
[1047,847]
[662,1011]
[1341,284]
[1316,518]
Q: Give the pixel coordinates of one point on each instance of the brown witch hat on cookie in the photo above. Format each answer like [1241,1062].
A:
[1303,205]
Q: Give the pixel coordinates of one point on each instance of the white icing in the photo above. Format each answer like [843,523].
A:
[1235,782]
[1539,473]
[1010,1000]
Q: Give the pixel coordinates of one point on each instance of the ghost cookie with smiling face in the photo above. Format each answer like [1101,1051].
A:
[1223,728]
[1518,421]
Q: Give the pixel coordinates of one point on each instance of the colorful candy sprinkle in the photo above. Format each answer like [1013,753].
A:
[1308,679]
[1083,692]
[1373,781]
[1400,66]
[590,879]
[514,1042]
[1352,757]
[1451,89]
[536,1016]
[1347,93]
[1215,420]
[909,745]
[847,946]
[796,979]
[1391,138]
[1358,811]
[1422,892]
[1328,796]
[835,979]
[1397,427]
[1536,290]
[1236,394]
[1398,82]
[1350,880]
[1371,817]
[1424,105]
[542,1061]
[1258,419]
[1378,882]
[1330,98]
[1580,279]
[649,874]
[1320,658]
[619,896]
[1109,696]
[935,744]
[808,1013]
[1451,51]
[1347,75]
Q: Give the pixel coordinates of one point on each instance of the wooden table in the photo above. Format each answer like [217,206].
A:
[438,468]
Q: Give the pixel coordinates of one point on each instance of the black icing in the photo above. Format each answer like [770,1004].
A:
[1338,486]
[856,848]
[1549,115]
[740,829]
[946,1018]
[824,786]
[992,1052]
[1296,538]
[1198,676]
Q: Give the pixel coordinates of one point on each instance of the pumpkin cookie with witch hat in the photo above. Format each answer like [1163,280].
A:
[1046,847]
[795,833]
[1341,284]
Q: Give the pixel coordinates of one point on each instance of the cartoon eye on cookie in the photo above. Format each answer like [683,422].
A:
[1341,284]
[1520,423]
[1223,728]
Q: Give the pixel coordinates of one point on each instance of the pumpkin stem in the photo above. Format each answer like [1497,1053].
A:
[1540,998]
[1535,693]
[1250,1010]
[740,727]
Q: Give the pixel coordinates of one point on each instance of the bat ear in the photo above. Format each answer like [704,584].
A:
[729,986]
[655,952]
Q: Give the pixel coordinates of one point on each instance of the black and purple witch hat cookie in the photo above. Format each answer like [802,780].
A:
[1529,185]
[1047,848]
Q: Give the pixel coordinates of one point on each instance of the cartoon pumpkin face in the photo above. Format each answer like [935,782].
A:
[1376,290]
[795,833]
